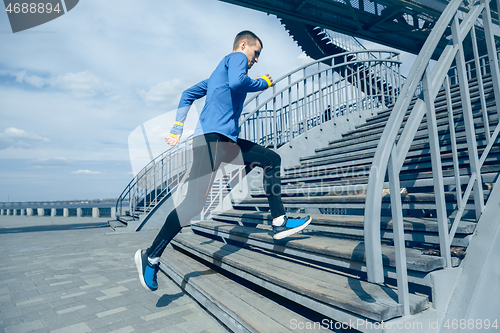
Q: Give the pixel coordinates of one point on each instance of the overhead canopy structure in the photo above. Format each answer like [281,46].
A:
[401,24]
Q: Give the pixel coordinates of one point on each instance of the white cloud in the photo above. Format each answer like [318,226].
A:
[33,80]
[86,172]
[163,94]
[81,84]
[17,138]
[48,163]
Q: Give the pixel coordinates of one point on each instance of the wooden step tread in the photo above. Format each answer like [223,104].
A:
[441,113]
[117,224]
[420,144]
[405,197]
[370,136]
[348,249]
[416,154]
[351,221]
[419,230]
[239,308]
[303,282]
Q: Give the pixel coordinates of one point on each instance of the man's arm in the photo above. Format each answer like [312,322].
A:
[188,97]
[238,78]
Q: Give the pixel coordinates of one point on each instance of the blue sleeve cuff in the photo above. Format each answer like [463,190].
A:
[177,129]
[266,80]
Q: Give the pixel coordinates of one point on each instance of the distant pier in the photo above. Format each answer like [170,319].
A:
[68,208]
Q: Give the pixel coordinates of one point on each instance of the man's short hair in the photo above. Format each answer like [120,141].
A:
[247,35]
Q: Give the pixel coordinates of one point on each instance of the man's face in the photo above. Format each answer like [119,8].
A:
[252,52]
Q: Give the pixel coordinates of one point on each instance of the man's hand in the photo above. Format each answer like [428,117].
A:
[270,79]
[171,140]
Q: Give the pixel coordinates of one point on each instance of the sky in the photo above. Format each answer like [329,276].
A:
[73,90]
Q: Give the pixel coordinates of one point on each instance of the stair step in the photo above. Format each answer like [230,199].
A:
[239,308]
[424,230]
[366,136]
[356,221]
[365,149]
[405,197]
[409,201]
[333,295]
[441,113]
[323,248]
[381,118]
[114,224]
[420,142]
[328,181]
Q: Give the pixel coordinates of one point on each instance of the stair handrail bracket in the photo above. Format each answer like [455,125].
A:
[397,137]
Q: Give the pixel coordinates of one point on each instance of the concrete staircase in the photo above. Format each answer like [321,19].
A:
[318,277]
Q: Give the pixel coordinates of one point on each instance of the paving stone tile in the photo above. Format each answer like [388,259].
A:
[26,311]
[101,322]
[196,322]
[72,309]
[117,302]
[30,302]
[25,327]
[13,321]
[102,330]
[58,302]
[76,328]
[91,310]
[126,329]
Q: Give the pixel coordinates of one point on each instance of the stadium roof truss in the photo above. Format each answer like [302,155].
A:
[401,24]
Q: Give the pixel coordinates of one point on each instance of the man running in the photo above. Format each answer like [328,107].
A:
[215,140]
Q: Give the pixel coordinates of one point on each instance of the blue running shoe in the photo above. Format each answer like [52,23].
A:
[290,226]
[147,271]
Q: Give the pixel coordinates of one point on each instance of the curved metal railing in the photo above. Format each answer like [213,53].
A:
[315,93]
[302,99]
[156,180]
[396,139]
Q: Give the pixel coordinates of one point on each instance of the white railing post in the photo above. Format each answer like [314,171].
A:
[398,232]
[480,84]
[437,171]
[453,139]
[492,52]
[373,205]
[468,118]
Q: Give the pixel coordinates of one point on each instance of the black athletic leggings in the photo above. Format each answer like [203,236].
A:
[209,151]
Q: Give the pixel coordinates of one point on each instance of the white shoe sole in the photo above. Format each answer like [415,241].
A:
[290,232]
[138,263]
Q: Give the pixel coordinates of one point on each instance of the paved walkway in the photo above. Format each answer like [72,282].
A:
[75,275]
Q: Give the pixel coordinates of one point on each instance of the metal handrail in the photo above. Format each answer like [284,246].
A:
[296,103]
[394,144]
[321,61]
[155,178]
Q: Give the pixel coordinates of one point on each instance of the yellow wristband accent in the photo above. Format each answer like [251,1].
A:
[173,135]
[179,123]
[265,78]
